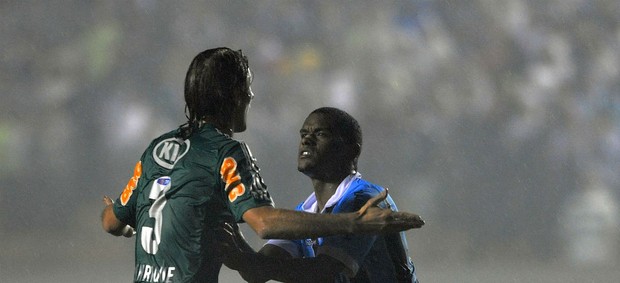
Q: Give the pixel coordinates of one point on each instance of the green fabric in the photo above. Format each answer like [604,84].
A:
[182,193]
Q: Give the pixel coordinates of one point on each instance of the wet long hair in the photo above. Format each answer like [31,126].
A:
[212,79]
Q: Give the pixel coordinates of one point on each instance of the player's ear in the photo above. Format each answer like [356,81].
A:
[356,150]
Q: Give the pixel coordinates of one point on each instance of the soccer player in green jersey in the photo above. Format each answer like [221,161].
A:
[193,180]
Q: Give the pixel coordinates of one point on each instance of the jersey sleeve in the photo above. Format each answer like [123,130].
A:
[125,206]
[244,187]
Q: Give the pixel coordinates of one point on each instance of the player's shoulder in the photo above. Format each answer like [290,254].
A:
[364,187]
[210,138]
[212,144]
[157,142]
[369,190]
[359,192]
[166,150]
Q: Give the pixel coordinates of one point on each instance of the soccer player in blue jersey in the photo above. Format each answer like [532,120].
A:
[194,180]
[330,145]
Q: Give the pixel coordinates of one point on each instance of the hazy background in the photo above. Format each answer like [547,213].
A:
[497,121]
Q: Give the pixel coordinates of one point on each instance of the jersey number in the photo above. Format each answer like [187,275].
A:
[229,173]
[151,235]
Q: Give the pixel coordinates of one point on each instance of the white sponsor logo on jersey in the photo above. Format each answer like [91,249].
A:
[169,151]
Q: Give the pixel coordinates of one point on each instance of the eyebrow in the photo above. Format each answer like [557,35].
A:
[316,130]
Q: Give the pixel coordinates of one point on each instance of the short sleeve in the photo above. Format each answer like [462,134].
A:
[244,187]
[125,206]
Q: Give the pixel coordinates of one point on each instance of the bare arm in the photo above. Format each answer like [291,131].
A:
[273,223]
[110,223]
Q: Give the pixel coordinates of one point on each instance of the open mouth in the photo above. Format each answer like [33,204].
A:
[304,154]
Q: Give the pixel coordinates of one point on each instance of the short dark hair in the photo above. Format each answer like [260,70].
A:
[346,126]
[212,78]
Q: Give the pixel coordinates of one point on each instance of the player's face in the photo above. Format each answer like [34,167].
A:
[321,154]
[241,111]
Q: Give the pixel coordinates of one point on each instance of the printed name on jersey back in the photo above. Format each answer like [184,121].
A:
[148,273]
[169,151]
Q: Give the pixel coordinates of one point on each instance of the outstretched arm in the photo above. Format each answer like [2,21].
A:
[273,223]
[110,223]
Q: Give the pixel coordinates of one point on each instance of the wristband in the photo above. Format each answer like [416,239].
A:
[128,231]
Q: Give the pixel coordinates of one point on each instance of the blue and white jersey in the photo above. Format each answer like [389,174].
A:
[367,258]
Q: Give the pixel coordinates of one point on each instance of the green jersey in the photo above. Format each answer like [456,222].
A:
[181,190]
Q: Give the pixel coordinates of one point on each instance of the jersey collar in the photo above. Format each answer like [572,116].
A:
[310,204]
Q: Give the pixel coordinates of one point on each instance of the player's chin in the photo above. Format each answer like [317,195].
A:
[303,166]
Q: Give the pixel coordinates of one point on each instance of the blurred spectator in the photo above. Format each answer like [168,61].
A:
[590,224]
[493,107]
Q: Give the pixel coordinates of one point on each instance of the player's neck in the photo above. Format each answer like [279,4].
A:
[226,129]
[324,191]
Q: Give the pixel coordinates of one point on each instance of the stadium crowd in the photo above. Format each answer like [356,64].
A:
[486,118]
